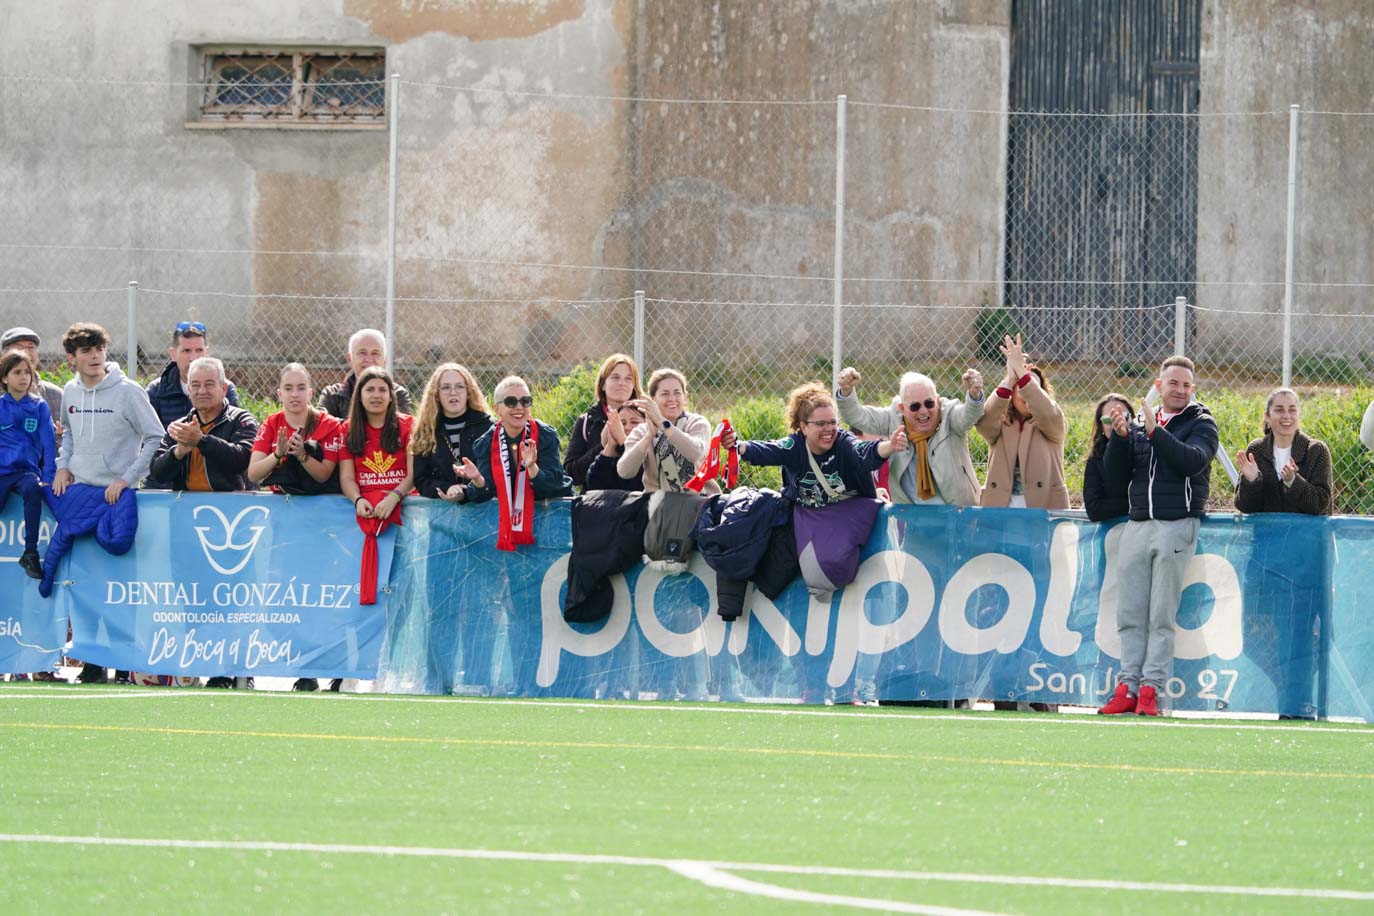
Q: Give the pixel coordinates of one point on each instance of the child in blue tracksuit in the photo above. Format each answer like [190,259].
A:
[28,450]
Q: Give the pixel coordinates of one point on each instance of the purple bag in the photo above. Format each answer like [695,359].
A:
[829,540]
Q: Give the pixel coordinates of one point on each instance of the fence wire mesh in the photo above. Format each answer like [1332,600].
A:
[525,222]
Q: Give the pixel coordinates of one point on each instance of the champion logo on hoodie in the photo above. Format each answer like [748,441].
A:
[74,409]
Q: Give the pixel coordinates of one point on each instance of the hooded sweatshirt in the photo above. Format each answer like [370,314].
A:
[110,431]
[26,439]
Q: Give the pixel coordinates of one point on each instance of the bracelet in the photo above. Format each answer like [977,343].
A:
[1003,392]
[355,500]
[1023,381]
[398,494]
[280,458]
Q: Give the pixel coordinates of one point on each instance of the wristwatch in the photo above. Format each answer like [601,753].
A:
[667,424]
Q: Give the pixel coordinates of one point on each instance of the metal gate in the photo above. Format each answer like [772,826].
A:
[1102,172]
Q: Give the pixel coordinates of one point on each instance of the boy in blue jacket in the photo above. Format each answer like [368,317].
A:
[28,450]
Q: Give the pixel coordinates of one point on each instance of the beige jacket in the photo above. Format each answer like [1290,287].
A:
[1038,444]
[950,464]
[690,435]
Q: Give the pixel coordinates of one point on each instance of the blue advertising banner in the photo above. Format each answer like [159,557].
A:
[32,630]
[1350,654]
[948,604]
[230,584]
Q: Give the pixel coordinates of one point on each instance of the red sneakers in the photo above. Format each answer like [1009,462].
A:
[1122,702]
[1148,704]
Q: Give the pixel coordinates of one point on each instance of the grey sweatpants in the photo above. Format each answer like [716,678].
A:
[1152,559]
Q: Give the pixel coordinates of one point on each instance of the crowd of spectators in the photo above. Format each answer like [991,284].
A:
[102,436]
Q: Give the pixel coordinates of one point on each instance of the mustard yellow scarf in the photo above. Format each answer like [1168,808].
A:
[925,480]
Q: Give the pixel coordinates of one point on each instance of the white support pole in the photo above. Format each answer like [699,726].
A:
[639,329]
[1288,246]
[393,122]
[837,334]
[131,332]
[1181,325]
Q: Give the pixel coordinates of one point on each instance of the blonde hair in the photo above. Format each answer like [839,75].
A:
[803,401]
[422,441]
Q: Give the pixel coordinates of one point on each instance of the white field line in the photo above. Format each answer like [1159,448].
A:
[678,864]
[963,718]
[713,877]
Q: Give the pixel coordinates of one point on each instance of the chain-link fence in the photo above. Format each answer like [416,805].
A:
[525,221]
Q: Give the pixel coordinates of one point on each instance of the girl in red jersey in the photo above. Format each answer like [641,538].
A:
[374,465]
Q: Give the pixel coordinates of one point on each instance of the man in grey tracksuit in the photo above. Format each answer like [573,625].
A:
[1168,461]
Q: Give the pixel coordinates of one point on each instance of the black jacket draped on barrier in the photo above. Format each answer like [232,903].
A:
[607,538]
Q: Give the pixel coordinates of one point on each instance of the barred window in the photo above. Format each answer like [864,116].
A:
[285,86]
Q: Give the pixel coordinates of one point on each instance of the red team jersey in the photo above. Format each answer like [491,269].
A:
[328,432]
[376,469]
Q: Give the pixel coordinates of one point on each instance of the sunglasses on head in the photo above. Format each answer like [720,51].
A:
[190,326]
[928,404]
[514,402]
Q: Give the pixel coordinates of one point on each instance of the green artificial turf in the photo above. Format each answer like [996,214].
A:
[995,794]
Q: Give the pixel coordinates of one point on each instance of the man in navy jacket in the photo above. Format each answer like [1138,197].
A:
[170,392]
[1168,461]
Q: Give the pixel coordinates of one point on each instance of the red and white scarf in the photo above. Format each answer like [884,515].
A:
[711,468]
[517,511]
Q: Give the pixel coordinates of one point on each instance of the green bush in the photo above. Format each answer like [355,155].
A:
[1328,369]
[991,325]
[561,403]
[759,418]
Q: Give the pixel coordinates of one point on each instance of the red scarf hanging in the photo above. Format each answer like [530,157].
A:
[372,527]
[517,510]
[710,467]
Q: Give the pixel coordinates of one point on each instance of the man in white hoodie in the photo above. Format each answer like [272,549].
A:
[110,430]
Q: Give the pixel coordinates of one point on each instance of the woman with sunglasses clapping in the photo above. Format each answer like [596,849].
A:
[1105,497]
[518,463]
[1024,429]
[666,450]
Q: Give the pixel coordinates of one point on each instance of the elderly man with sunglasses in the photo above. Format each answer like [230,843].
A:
[170,393]
[935,467]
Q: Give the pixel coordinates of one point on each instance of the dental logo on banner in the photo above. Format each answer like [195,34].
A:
[32,631]
[998,604]
[230,584]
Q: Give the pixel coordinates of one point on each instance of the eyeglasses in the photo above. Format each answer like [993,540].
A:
[452,389]
[824,424]
[928,404]
[190,326]
[513,402]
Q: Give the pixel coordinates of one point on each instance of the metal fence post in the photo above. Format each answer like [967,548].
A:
[639,329]
[131,332]
[1181,325]
[837,334]
[1288,246]
[393,122]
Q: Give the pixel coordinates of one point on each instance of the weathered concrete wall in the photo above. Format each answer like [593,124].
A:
[750,188]
[1259,57]
[491,175]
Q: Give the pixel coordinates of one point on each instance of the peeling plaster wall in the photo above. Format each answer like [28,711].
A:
[492,175]
[1262,58]
[751,188]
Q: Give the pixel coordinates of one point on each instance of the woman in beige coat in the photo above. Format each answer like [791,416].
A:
[1024,429]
